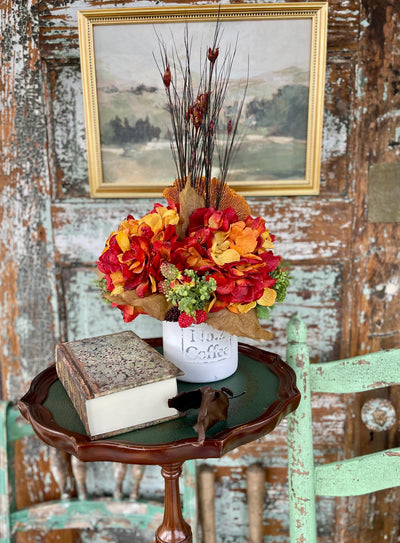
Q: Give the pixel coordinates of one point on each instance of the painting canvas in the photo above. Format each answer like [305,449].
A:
[277,57]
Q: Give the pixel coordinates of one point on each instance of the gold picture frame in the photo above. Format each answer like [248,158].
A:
[284,48]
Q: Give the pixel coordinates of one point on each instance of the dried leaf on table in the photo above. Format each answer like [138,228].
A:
[213,406]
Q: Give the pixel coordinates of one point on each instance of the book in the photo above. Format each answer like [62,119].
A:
[117,382]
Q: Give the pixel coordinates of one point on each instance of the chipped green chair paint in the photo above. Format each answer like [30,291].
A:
[344,478]
[99,513]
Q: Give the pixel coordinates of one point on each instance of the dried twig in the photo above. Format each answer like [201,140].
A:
[195,114]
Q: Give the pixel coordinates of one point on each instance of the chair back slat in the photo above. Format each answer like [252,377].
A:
[358,374]
[17,426]
[357,476]
[4,483]
[87,514]
[350,477]
[300,453]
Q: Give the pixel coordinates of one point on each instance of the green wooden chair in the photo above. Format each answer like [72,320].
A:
[77,513]
[350,477]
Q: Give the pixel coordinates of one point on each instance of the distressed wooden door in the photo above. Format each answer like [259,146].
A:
[343,246]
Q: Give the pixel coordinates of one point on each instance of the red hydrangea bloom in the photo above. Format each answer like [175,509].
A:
[235,253]
[134,253]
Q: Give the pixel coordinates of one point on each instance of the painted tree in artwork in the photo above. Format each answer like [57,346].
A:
[285,114]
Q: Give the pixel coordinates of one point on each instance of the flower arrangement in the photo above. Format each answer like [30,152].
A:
[201,257]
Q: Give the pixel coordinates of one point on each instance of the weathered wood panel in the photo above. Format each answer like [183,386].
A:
[67,128]
[27,294]
[346,270]
[58,24]
[375,257]
[305,229]
[337,133]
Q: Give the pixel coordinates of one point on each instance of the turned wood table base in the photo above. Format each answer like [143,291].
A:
[174,529]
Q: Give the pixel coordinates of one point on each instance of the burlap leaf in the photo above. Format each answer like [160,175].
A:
[189,201]
[242,325]
[154,305]
[229,198]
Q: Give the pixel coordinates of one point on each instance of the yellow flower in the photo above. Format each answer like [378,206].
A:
[153,220]
[241,308]
[221,251]
[130,225]
[123,240]
[118,290]
[160,219]
[267,240]
[169,216]
[268,298]
[117,279]
[240,241]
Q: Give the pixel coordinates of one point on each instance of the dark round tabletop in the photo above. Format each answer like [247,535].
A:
[266,391]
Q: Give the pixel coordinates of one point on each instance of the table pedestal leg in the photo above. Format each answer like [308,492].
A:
[174,529]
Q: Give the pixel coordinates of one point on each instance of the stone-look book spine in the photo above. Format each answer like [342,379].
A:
[94,367]
[75,383]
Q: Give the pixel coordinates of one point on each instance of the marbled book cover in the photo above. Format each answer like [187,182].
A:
[94,367]
[117,362]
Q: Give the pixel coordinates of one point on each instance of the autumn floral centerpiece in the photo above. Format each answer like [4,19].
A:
[200,257]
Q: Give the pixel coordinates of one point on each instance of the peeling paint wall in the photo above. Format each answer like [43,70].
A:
[345,262]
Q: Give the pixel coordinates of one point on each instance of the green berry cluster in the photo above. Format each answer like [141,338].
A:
[282,282]
[187,290]
[282,276]
[102,285]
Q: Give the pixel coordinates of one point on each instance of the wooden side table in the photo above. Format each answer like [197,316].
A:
[270,395]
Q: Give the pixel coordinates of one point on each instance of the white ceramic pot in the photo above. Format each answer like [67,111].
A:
[202,352]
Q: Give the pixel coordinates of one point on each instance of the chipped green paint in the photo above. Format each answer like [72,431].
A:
[84,514]
[315,299]
[4,482]
[89,226]
[357,374]
[17,427]
[189,496]
[68,123]
[335,135]
[94,514]
[351,477]
[302,521]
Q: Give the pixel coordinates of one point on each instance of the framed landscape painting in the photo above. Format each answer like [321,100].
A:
[279,58]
